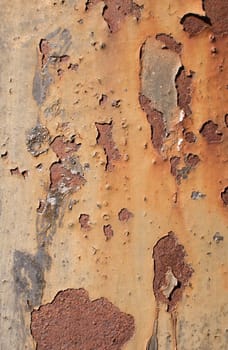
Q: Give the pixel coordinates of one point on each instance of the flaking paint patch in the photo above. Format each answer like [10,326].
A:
[72,321]
[124,215]
[157,75]
[190,162]
[37,140]
[169,42]
[183,86]
[84,222]
[210,132]
[171,272]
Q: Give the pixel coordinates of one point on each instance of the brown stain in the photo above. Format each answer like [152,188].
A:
[115,11]
[124,215]
[169,42]
[63,178]
[190,137]
[209,130]
[226,120]
[224,196]
[169,264]
[216,17]
[108,232]
[156,121]
[181,172]
[64,148]
[84,222]
[105,140]
[72,321]
[183,86]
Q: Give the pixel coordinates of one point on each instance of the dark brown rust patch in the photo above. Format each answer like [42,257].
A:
[115,11]
[72,321]
[156,121]
[190,160]
[84,222]
[171,272]
[189,137]
[108,232]
[124,215]
[64,148]
[217,11]
[224,196]
[103,99]
[216,17]
[169,42]
[209,130]
[105,140]
[226,120]
[194,24]
[183,86]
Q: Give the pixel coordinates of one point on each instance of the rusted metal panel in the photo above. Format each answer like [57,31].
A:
[114,188]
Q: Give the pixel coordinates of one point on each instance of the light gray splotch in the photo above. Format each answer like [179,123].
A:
[41,82]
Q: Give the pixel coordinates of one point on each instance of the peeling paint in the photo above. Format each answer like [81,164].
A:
[209,131]
[73,321]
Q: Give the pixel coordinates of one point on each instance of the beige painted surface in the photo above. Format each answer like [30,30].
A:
[120,269]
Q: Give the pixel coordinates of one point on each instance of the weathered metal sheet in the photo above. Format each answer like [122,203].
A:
[114,188]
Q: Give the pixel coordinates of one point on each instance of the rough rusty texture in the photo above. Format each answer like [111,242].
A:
[224,196]
[190,137]
[64,148]
[156,121]
[37,140]
[84,222]
[216,17]
[115,11]
[105,140]
[124,215]
[190,160]
[72,321]
[194,24]
[108,232]
[171,272]
[169,42]
[183,86]
[209,130]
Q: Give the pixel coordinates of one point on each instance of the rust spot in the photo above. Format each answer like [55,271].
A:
[194,24]
[190,161]
[64,148]
[183,86]
[224,196]
[103,99]
[124,215]
[105,140]
[209,130]
[108,232]
[156,121]
[73,66]
[41,206]
[216,17]
[169,42]
[72,321]
[37,140]
[189,137]
[16,171]
[64,178]
[115,11]
[171,272]
[84,222]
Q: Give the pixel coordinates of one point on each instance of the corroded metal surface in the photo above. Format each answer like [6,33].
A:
[114,188]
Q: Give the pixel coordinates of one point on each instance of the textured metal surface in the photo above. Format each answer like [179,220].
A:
[114,135]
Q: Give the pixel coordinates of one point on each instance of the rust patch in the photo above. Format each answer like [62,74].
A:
[189,137]
[84,222]
[190,160]
[64,148]
[171,272]
[108,232]
[63,178]
[105,140]
[169,42]
[16,171]
[103,99]
[72,321]
[115,11]
[183,86]
[209,130]
[226,120]
[124,215]
[224,196]
[216,17]
[156,121]
[194,24]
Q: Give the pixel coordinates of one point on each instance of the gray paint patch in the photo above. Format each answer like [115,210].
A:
[41,82]
[37,140]
[158,71]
